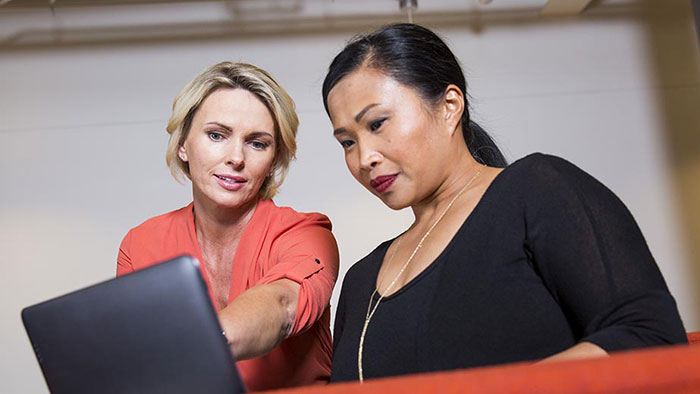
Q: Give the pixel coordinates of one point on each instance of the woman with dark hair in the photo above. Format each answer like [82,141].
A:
[537,260]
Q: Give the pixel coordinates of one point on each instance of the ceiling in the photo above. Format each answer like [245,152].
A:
[27,23]
[547,7]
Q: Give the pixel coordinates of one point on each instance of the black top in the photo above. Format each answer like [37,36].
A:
[548,258]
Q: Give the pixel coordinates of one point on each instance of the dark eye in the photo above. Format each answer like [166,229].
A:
[374,126]
[347,143]
[214,136]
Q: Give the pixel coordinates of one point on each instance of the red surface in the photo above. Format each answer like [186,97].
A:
[694,338]
[674,369]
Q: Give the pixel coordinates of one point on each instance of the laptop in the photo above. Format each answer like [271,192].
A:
[152,331]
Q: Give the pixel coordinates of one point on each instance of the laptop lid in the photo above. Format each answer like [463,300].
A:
[152,331]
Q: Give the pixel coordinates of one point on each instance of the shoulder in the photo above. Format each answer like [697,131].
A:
[293,237]
[161,224]
[287,219]
[541,165]
[287,231]
[554,186]
[365,269]
[158,239]
[540,172]
[167,219]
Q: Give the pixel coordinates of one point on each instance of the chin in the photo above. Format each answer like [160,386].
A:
[394,203]
[230,204]
[228,201]
[238,202]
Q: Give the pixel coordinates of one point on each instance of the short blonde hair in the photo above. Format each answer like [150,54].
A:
[238,76]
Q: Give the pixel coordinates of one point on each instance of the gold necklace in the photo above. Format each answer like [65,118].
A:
[370,310]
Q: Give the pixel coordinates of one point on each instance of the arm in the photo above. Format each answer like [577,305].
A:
[247,337]
[594,260]
[252,334]
[124,265]
[580,350]
[290,298]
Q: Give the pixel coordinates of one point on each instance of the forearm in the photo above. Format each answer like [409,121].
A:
[578,351]
[258,320]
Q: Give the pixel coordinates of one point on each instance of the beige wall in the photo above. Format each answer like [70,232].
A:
[82,138]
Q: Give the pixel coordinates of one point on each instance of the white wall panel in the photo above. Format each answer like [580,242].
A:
[82,140]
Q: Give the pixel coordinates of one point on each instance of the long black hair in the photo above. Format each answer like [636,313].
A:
[415,57]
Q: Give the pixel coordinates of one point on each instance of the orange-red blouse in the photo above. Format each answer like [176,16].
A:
[277,243]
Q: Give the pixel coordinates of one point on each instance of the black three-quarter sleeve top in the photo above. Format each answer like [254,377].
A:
[548,258]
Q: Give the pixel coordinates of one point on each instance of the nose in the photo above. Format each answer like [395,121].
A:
[369,156]
[235,157]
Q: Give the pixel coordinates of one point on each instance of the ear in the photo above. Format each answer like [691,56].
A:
[182,153]
[453,107]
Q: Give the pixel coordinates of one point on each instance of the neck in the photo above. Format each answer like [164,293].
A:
[219,226]
[458,176]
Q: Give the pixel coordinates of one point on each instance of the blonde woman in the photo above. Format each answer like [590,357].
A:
[270,270]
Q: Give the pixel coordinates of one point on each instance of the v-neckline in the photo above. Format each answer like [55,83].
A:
[449,245]
[198,250]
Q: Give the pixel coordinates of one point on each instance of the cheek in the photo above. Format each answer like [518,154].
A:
[200,164]
[193,158]
[198,153]
[411,148]
[262,165]
[352,162]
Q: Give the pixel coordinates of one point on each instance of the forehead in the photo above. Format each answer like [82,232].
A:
[362,87]
[235,105]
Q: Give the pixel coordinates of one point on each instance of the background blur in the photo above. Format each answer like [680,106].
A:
[86,88]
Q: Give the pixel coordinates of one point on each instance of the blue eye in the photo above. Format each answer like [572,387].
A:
[374,126]
[259,145]
[214,136]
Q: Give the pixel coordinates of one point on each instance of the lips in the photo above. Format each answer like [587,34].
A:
[383,182]
[230,182]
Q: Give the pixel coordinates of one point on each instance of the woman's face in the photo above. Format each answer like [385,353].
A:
[230,147]
[391,137]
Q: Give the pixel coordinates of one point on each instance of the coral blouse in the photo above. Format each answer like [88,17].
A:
[277,243]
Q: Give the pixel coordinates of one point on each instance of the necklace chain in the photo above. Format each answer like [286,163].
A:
[371,310]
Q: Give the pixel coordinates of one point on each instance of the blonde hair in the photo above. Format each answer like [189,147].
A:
[240,76]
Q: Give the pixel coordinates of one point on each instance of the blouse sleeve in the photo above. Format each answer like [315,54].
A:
[308,255]
[124,265]
[594,260]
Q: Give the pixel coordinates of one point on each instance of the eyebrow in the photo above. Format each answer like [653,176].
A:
[254,134]
[358,117]
[257,134]
[223,126]
[362,113]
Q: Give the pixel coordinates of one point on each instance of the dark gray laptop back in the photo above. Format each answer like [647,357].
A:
[152,331]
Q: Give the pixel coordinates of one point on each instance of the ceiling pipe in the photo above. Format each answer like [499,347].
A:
[409,6]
